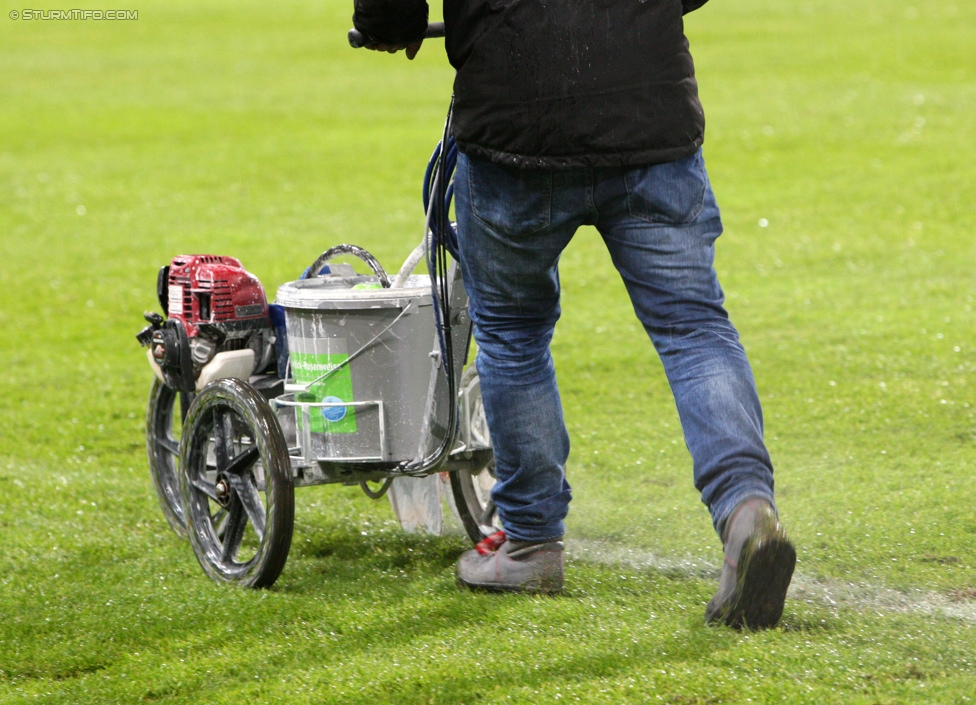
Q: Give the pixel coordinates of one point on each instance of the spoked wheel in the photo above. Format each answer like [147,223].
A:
[236,485]
[164,423]
[472,489]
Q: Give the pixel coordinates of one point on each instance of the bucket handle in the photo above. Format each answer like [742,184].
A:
[354,250]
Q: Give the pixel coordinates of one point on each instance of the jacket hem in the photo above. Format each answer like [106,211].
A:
[628,158]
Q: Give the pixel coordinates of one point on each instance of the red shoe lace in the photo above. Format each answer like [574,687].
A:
[491,544]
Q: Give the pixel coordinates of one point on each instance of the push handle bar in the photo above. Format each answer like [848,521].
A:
[358,40]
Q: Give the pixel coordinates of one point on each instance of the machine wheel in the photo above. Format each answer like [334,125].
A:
[472,490]
[164,423]
[236,485]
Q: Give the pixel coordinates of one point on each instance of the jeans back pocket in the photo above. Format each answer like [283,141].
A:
[515,202]
[670,194]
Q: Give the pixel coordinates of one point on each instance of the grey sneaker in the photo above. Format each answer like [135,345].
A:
[501,565]
[759,562]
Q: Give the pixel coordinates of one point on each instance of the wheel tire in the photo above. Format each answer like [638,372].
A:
[163,430]
[472,490]
[236,485]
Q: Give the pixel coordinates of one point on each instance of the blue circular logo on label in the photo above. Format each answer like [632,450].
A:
[333,413]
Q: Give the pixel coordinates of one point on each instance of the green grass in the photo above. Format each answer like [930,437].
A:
[250,129]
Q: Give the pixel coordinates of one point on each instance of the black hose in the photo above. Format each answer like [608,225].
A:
[438,267]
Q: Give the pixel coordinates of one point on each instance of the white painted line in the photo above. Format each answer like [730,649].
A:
[833,593]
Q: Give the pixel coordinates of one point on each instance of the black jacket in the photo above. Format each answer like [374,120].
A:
[560,83]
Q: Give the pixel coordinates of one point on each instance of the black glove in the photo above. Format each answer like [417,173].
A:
[394,22]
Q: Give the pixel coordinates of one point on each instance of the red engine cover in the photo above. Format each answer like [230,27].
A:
[214,289]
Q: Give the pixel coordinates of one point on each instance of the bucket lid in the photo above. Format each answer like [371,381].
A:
[358,291]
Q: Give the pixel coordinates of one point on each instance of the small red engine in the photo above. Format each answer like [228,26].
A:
[214,305]
[212,289]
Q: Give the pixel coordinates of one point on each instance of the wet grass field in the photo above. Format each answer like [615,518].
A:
[840,145]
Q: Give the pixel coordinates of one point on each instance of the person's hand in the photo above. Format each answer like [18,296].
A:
[411,49]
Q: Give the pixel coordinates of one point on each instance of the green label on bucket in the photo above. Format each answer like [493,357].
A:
[336,388]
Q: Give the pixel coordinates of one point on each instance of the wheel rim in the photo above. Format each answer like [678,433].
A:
[236,486]
[472,490]
[477,490]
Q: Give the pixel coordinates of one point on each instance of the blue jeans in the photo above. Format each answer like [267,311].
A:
[660,224]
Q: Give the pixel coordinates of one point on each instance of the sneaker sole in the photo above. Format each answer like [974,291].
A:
[524,589]
[766,568]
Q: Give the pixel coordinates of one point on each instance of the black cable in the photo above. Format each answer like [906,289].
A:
[438,267]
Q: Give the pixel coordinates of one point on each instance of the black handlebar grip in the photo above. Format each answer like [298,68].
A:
[358,40]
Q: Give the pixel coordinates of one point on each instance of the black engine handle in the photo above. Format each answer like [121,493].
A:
[358,40]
